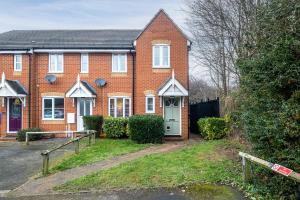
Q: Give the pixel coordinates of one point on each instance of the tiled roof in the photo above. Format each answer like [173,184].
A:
[89,87]
[17,87]
[68,39]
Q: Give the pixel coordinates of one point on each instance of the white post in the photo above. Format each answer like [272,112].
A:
[27,139]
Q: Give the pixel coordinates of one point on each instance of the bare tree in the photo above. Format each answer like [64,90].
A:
[200,90]
[220,30]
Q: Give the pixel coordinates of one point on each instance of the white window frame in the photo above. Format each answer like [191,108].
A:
[161,56]
[15,62]
[81,69]
[53,108]
[115,102]
[56,62]
[146,104]
[112,62]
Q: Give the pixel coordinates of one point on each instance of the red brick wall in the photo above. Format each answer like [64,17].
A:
[147,78]
[100,64]
[99,67]
[7,66]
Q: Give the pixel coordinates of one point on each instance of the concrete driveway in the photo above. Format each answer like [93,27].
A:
[18,161]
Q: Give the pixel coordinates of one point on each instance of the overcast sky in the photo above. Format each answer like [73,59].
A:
[84,14]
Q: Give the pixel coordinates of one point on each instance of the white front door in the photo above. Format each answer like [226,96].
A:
[172,115]
[84,108]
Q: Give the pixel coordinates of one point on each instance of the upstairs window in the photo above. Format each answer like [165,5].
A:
[161,56]
[84,63]
[17,63]
[119,107]
[56,63]
[119,63]
[150,104]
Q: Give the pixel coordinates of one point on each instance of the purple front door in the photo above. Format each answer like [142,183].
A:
[15,115]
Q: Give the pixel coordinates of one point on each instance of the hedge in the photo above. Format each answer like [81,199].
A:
[115,127]
[146,128]
[212,128]
[93,122]
[21,135]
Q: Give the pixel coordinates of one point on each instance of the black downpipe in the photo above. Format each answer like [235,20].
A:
[133,82]
[29,90]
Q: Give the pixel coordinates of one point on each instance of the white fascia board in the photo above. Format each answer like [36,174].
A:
[83,50]
[169,84]
[14,52]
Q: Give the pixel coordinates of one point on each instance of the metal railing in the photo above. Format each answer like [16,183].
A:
[247,159]
[46,154]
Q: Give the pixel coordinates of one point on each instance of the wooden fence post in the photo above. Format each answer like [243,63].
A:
[76,146]
[94,137]
[27,139]
[90,137]
[246,170]
[45,163]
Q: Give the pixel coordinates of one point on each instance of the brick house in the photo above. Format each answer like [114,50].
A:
[51,76]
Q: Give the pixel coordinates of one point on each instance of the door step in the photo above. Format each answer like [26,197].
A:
[8,138]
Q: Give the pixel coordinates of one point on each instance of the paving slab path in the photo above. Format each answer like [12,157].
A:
[45,185]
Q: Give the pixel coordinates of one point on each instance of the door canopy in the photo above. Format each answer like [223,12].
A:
[81,89]
[172,87]
[9,88]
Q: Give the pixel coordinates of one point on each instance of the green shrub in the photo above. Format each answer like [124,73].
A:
[146,128]
[115,127]
[93,122]
[212,128]
[21,135]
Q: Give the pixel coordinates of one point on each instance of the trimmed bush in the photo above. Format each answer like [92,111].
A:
[115,127]
[212,128]
[21,135]
[93,122]
[146,128]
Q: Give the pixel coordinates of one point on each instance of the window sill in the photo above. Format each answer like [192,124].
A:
[149,112]
[161,70]
[84,74]
[53,121]
[17,73]
[119,74]
[56,74]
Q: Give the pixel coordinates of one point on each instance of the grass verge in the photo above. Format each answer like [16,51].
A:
[210,161]
[101,150]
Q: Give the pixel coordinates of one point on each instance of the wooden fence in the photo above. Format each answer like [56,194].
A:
[247,159]
[46,154]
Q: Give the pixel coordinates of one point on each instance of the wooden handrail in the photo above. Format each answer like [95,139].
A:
[46,154]
[268,165]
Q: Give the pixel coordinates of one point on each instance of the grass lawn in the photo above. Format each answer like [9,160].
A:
[101,150]
[209,162]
